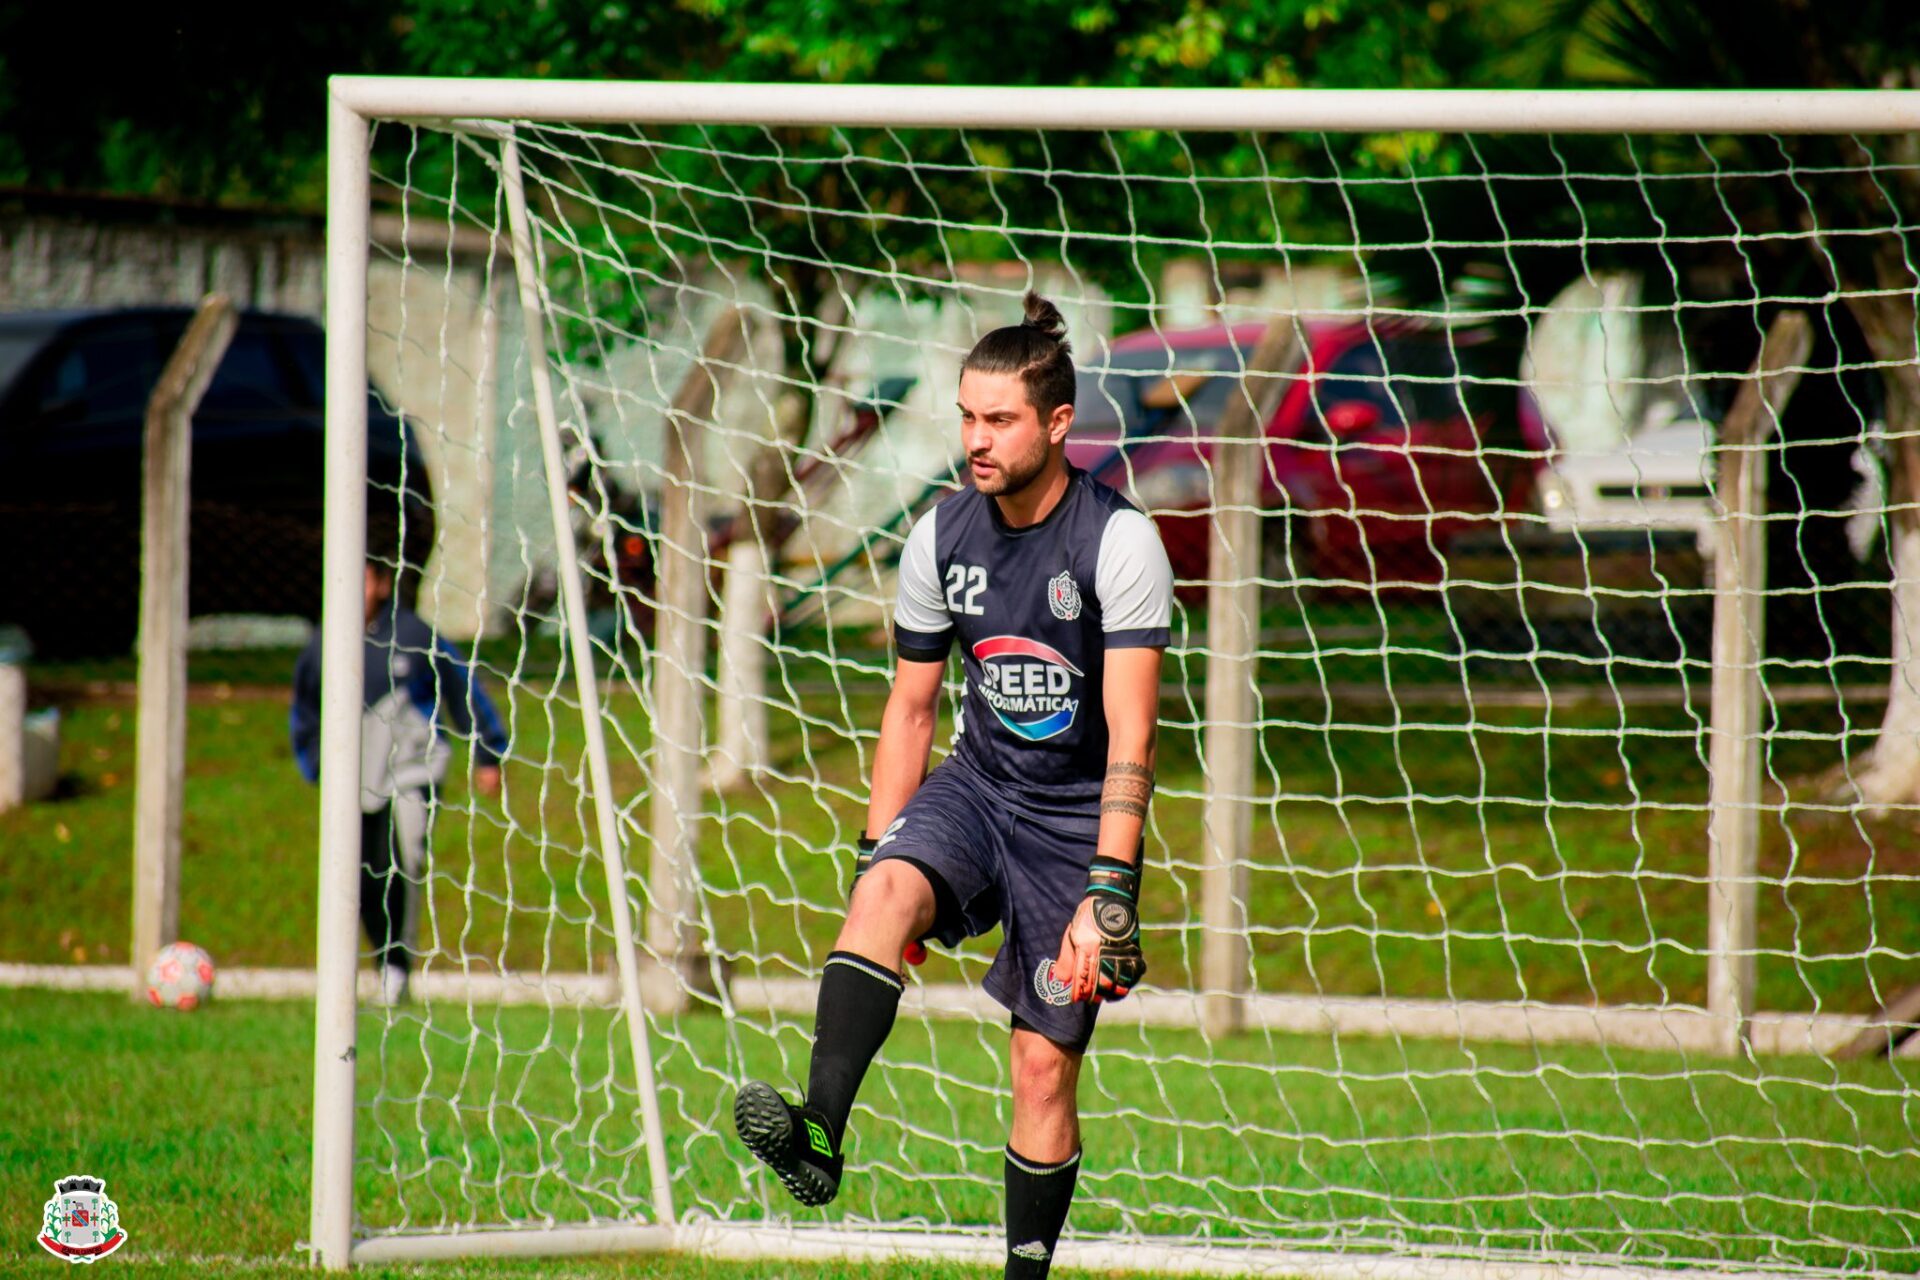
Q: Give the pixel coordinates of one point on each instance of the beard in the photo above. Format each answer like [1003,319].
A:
[1011,477]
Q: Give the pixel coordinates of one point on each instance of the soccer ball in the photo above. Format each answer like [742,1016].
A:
[180,977]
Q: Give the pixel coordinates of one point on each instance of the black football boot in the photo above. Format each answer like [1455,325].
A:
[796,1143]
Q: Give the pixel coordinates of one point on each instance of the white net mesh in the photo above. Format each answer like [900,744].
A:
[1471,1010]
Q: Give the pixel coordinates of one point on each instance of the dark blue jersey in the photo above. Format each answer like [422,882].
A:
[1035,610]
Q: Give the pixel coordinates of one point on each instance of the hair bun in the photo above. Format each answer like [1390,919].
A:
[1044,316]
[1035,350]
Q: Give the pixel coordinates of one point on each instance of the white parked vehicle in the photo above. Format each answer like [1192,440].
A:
[1625,537]
[1627,420]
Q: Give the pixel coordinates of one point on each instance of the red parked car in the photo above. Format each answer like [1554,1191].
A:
[1387,444]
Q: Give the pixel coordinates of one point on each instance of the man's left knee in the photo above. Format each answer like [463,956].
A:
[1044,1076]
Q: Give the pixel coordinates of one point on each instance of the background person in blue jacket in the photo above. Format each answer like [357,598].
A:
[417,688]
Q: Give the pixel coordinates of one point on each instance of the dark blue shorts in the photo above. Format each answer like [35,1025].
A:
[993,864]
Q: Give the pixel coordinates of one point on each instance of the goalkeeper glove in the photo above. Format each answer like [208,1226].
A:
[863,850]
[1115,966]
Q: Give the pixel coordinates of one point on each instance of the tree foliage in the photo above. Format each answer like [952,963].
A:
[219,102]
[214,101]
[807,205]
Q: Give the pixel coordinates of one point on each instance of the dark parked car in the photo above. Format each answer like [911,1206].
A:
[1376,446]
[73,396]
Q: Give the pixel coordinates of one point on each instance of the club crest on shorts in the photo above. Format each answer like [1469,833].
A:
[81,1224]
[1063,596]
[1050,988]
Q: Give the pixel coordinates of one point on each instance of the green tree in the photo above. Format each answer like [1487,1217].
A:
[1352,43]
[216,101]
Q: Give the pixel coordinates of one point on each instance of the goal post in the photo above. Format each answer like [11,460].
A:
[342,682]
[1499,912]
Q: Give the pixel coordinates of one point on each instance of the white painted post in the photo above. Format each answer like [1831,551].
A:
[1739,620]
[161,724]
[1233,635]
[486,408]
[342,677]
[678,965]
[13,738]
[744,605]
[748,599]
[1186,294]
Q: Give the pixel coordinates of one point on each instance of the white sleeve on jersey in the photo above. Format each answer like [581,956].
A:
[921,608]
[1133,579]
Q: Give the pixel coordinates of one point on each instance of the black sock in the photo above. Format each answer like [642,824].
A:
[383,890]
[1038,1196]
[858,999]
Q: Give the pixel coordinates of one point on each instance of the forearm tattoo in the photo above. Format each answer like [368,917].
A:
[1127,789]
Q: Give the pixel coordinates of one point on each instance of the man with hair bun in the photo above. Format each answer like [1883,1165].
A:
[1060,596]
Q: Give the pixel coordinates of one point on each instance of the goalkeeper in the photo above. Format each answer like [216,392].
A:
[1060,596]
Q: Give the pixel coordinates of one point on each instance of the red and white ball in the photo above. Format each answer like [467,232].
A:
[180,977]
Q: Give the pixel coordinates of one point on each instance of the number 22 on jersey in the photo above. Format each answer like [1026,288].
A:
[965,583]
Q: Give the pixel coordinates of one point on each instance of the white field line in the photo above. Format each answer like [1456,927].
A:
[216,1264]
[1682,1028]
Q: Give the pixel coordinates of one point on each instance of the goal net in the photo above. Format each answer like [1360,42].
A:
[1535,833]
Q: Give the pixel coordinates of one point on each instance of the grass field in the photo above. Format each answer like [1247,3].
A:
[201,1127]
[1412,849]
[200,1124]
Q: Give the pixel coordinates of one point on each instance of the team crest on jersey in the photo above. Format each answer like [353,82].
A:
[1063,596]
[81,1224]
[1028,685]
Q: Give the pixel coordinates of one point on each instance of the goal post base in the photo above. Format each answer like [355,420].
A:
[745,1241]
[556,1242]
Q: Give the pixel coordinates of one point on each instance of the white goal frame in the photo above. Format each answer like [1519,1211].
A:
[355,102]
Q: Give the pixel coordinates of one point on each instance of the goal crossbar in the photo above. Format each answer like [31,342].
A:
[1786,111]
